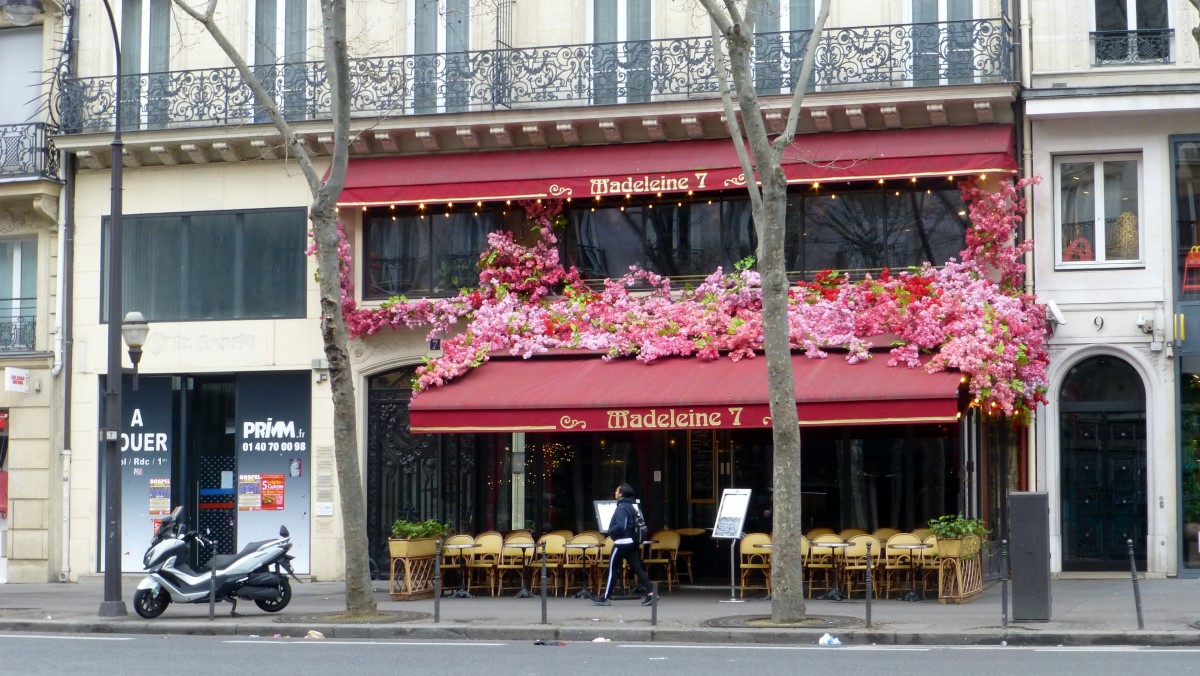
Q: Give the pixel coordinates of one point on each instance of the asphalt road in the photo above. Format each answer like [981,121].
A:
[33,655]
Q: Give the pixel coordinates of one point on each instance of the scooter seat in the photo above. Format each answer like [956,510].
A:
[219,561]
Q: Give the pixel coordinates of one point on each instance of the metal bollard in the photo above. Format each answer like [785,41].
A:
[544,580]
[437,580]
[868,583]
[1137,591]
[1004,587]
[654,604]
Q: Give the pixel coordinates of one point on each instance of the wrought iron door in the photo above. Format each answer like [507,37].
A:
[412,476]
[1104,489]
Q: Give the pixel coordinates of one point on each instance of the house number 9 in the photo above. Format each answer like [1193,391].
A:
[1099,322]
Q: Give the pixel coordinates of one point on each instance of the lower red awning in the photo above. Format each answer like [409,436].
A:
[673,167]
[546,394]
[3,494]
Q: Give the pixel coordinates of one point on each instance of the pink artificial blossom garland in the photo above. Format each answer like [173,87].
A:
[527,303]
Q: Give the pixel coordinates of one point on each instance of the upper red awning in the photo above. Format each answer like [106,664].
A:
[673,167]
[588,394]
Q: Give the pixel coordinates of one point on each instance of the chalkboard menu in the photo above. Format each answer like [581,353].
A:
[731,514]
[701,464]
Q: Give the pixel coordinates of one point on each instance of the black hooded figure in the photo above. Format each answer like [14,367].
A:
[622,530]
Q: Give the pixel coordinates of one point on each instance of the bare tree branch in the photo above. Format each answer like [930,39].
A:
[261,95]
[801,83]
[731,121]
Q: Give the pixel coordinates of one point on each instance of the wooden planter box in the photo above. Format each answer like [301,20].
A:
[960,574]
[412,568]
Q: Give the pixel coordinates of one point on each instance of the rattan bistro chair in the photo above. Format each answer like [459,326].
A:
[664,548]
[755,560]
[821,563]
[481,569]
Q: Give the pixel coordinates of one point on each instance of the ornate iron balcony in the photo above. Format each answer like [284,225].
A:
[1125,47]
[27,152]
[866,57]
[17,334]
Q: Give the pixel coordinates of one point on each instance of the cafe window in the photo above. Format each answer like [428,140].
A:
[424,254]
[865,231]
[677,239]
[1098,210]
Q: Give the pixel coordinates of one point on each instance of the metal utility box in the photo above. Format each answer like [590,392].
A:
[1029,555]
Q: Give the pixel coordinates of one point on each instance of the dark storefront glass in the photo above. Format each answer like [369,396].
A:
[1189,460]
[415,253]
[1186,155]
[212,265]
[418,254]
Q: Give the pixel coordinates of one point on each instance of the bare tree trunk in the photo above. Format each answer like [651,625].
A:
[768,201]
[323,215]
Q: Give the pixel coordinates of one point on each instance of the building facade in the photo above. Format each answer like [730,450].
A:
[462,110]
[35,460]
[1110,111]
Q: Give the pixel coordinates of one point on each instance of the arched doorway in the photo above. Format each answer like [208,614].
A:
[413,476]
[1102,423]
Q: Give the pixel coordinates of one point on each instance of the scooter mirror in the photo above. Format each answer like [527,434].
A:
[283,532]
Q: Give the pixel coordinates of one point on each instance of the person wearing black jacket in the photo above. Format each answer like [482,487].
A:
[622,529]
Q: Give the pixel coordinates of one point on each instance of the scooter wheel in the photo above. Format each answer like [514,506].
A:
[150,604]
[276,605]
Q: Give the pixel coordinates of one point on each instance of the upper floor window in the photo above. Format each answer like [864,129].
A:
[145,49]
[943,42]
[1132,31]
[1098,210]
[279,42]
[21,54]
[441,39]
[18,294]
[213,265]
[621,31]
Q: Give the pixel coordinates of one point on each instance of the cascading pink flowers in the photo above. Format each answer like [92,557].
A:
[527,303]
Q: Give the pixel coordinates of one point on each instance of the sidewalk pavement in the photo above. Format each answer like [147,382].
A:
[1083,612]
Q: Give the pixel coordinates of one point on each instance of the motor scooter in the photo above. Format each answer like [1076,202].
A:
[259,572]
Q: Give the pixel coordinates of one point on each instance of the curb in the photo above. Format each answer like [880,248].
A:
[582,634]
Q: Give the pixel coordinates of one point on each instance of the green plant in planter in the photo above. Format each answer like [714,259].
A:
[955,526]
[415,530]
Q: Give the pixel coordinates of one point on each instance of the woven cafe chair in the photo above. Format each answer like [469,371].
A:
[821,563]
[663,550]
[481,569]
[755,560]
[898,564]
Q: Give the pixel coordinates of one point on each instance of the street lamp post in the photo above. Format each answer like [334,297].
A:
[113,604]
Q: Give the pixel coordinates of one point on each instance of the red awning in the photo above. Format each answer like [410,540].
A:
[546,394]
[673,167]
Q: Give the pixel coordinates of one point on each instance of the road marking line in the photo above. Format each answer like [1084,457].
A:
[293,640]
[775,647]
[70,638]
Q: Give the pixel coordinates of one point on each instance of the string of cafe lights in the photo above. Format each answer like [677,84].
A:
[425,208]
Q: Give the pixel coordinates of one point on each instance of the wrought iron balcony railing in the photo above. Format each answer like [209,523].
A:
[26,151]
[864,57]
[18,328]
[1125,47]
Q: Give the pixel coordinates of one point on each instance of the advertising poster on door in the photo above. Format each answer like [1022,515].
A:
[146,421]
[273,446]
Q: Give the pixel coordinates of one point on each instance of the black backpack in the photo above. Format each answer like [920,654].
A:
[639,533]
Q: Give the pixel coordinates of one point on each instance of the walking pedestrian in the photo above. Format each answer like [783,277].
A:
[624,531]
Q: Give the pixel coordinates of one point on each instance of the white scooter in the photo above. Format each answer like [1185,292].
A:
[257,572]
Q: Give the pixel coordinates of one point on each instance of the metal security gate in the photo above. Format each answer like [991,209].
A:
[412,476]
